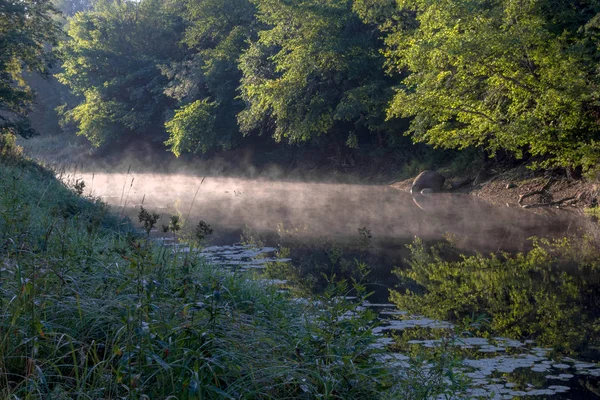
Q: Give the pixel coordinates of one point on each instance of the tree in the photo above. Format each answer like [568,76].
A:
[27,29]
[316,69]
[499,74]
[112,62]
[72,7]
[49,93]
[205,83]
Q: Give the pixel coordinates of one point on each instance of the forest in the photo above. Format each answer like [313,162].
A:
[199,76]
[188,279]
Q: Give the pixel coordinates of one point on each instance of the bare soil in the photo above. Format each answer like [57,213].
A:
[520,187]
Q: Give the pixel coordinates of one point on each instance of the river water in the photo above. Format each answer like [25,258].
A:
[329,210]
[328,226]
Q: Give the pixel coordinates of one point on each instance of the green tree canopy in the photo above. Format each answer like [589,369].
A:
[205,83]
[27,29]
[315,69]
[497,74]
[500,74]
[112,62]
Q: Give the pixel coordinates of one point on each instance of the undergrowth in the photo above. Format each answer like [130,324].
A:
[593,211]
[90,309]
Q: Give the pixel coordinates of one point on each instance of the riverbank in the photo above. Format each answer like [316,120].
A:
[520,187]
[500,186]
[92,309]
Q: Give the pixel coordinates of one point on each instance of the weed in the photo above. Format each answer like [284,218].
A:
[593,211]
[8,146]
[148,219]
[79,187]
[202,231]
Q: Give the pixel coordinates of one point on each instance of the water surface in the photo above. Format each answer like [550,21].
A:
[375,223]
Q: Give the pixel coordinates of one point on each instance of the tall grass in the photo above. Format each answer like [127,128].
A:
[89,309]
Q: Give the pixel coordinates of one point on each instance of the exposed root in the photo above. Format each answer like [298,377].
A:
[556,203]
[543,191]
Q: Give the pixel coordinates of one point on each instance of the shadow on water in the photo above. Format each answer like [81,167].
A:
[328,228]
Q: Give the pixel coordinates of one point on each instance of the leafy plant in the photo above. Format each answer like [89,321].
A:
[203,230]
[175,224]
[79,187]
[496,75]
[593,211]
[148,219]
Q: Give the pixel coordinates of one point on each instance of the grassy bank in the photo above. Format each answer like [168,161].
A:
[91,309]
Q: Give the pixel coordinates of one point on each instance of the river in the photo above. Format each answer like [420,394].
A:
[328,226]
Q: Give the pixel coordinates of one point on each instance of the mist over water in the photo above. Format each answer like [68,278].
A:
[313,216]
[330,211]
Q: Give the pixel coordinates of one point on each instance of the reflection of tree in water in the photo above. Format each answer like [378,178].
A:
[548,294]
[317,260]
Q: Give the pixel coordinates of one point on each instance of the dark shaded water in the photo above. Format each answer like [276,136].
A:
[330,226]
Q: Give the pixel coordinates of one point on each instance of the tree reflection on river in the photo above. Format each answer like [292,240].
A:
[547,293]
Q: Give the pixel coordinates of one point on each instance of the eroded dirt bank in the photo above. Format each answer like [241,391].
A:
[523,188]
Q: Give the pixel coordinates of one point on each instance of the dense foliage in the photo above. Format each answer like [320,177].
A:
[520,77]
[26,28]
[112,62]
[500,74]
[206,81]
[316,69]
